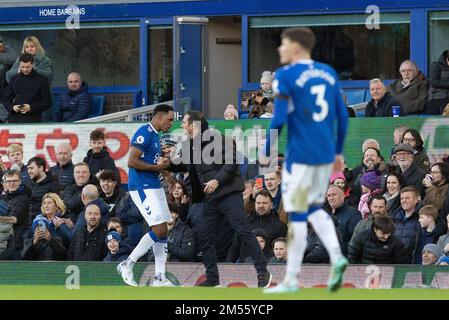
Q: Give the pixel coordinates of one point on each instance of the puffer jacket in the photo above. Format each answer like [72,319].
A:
[436,195]
[49,184]
[439,78]
[73,105]
[270,223]
[412,97]
[367,249]
[99,161]
[181,243]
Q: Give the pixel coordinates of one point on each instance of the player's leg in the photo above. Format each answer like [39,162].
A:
[232,208]
[295,194]
[159,217]
[325,228]
[125,267]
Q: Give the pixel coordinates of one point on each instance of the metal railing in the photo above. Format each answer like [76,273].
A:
[142,114]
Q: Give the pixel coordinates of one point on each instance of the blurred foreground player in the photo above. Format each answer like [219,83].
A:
[145,189]
[308,99]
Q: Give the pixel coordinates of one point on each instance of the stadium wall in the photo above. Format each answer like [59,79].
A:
[232,275]
[42,139]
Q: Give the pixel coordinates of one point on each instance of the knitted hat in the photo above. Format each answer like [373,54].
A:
[267,76]
[372,180]
[167,140]
[436,250]
[40,220]
[337,175]
[232,110]
[113,235]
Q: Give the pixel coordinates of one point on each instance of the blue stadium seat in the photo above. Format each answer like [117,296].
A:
[355,96]
[97,107]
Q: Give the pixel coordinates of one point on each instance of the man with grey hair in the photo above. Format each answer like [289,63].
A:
[411,90]
[382,102]
[63,170]
[370,143]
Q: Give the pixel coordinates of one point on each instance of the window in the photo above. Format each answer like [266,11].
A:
[105,53]
[343,41]
[438,31]
[160,64]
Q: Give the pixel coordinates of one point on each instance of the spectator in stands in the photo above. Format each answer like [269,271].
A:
[111,192]
[378,207]
[263,96]
[42,63]
[72,193]
[372,160]
[279,250]
[439,84]
[63,169]
[262,238]
[14,215]
[168,145]
[117,250]
[412,174]
[88,243]
[28,94]
[394,182]
[413,138]
[347,216]
[75,103]
[181,240]
[231,113]
[315,251]
[411,89]
[98,157]
[256,111]
[44,244]
[7,58]
[398,134]
[382,102]
[263,217]
[406,220]
[431,254]
[179,197]
[377,245]
[370,143]
[443,241]
[53,209]
[338,179]
[116,224]
[432,228]
[131,219]
[43,183]
[371,183]
[15,157]
[273,185]
[437,185]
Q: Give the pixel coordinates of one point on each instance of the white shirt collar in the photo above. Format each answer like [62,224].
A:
[304,61]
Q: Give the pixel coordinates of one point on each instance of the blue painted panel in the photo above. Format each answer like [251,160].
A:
[190,63]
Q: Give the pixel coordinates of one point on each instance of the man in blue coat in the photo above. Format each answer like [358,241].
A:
[74,104]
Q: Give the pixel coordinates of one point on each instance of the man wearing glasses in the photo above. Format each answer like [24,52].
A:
[14,209]
[413,175]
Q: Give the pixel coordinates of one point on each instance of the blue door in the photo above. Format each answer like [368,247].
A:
[190,71]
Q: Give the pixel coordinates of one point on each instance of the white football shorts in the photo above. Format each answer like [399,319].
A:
[152,204]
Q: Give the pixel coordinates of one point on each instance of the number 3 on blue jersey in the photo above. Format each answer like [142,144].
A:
[320,91]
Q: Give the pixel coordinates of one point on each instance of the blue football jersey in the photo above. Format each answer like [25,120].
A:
[146,139]
[309,101]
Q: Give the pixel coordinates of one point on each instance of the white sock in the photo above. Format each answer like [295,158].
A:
[325,229]
[297,243]
[142,248]
[160,258]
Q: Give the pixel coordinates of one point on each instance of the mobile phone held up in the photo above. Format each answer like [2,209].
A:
[259,183]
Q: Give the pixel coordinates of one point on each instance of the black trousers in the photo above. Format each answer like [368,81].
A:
[230,206]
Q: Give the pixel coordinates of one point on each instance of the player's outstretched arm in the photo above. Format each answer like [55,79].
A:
[135,162]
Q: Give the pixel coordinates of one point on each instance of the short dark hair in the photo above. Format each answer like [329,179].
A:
[264,193]
[116,220]
[280,239]
[197,116]
[97,135]
[26,57]
[399,177]
[302,35]
[376,196]
[40,162]
[162,108]
[109,175]
[172,207]
[384,224]
[11,172]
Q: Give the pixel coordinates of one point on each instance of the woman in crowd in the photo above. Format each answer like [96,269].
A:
[413,138]
[437,185]
[339,179]
[42,63]
[231,113]
[394,182]
[179,196]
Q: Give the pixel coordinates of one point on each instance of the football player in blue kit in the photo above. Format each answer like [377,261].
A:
[145,164]
[308,100]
